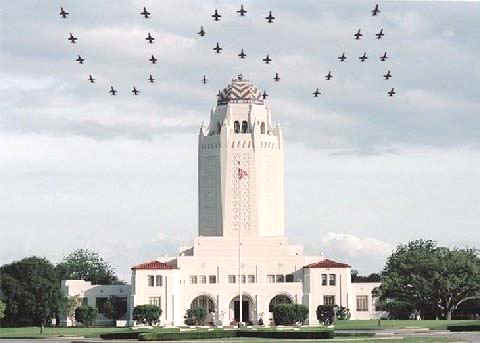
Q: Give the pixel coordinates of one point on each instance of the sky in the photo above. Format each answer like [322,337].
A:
[364,172]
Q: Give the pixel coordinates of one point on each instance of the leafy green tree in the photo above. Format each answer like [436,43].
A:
[431,278]
[343,313]
[2,309]
[373,277]
[399,309]
[31,291]
[288,314]
[70,305]
[147,314]
[84,264]
[86,315]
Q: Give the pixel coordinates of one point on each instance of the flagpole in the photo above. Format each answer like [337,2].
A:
[239,258]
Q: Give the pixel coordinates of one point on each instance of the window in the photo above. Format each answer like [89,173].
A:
[154,301]
[236,126]
[329,300]
[193,279]
[289,278]
[212,279]
[159,280]
[333,279]
[244,127]
[232,279]
[202,279]
[151,280]
[251,279]
[362,302]
[100,304]
[279,278]
[262,128]
[219,128]
[244,279]
[271,278]
[324,279]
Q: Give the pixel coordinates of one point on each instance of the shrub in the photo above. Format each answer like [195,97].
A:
[147,314]
[195,316]
[463,327]
[86,315]
[2,309]
[287,314]
[325,314]
[343,313]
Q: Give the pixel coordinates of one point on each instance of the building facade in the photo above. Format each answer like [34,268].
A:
[241,250]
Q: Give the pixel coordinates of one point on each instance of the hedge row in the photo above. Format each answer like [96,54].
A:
[187,335]
[464,327]
[121,335]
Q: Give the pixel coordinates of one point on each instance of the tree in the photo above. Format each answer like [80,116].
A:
[147,314]
[2,309]
[70,305]
[196,316]
[86,315]
[84,264]
[326,314]
[31,291]
[343,313]
[431,278]
[373,277]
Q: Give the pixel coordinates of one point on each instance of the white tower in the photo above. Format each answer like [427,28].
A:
[240,167]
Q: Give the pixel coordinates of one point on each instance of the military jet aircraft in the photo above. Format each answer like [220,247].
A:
[363,57]
[276,78]
[375,11]
[342,58]
[242,11]
[151,79]
[63,13]
[202,32]
[329,75]
[80,59]
[216,16]
[264,95]
[270,18]
[149,38]
[384,57]
[72,38]
[217,49]
[392,92]
[242,54]
[358,35]
[112,91]
[204,80]
[153,59]
[387,75]
[380,34]
[145,13]
[316,93]
[91,79]
[135,91]
[267,59]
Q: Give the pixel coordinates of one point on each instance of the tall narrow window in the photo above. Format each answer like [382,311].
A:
[219,128]
[151,281]
[236,126]
[159,280]
[333,279]
[251,279]
[232,279]
[193,279]
[362,302]
[270,278]
[212,279]
[329,300]
[279,278]
[202,278]
[262,128]
[324,279]
[289,278]
[244,127]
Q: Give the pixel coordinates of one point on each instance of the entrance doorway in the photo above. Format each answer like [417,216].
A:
[245,311]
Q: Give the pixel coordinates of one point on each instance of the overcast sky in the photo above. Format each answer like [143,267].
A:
[364,172]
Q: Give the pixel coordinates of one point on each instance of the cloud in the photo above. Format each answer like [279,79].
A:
[352,246]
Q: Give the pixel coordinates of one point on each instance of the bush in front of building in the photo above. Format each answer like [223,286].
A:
[326,314]
[86,315]
[463,327]
[289,314]
[147,314]
[187,335]
[196,316]
[343,313]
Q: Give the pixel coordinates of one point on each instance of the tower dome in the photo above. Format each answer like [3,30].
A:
[240,91]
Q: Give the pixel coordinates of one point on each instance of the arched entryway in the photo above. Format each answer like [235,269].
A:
[206,302]
[248,309]
[279,299]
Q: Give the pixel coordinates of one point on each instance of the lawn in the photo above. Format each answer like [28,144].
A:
[34,332]
[399,324]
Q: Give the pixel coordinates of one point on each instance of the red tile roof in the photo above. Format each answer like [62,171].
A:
[326,263]
[153,265]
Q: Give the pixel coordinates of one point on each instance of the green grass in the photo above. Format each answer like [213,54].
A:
[399,324]
[34,332]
